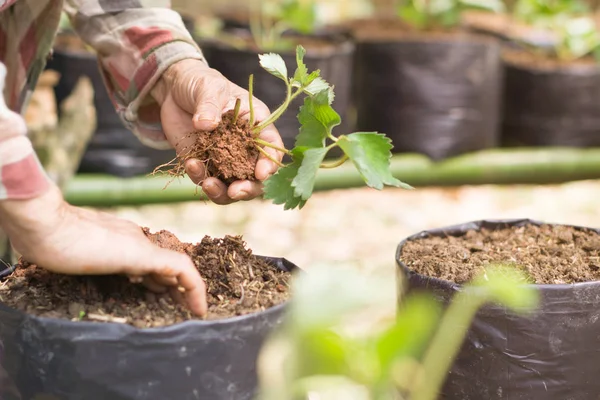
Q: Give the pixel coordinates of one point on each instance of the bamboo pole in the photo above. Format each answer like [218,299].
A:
[501,166]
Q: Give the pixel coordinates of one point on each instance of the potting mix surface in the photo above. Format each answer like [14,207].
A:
[547,254]
[237,282]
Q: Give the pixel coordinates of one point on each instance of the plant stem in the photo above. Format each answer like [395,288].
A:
[280,110]
[336,163]
[447,342]
[236,111]
[250,98]
[267,144]
[269,157]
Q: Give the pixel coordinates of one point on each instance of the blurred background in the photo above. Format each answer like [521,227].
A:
[493,109]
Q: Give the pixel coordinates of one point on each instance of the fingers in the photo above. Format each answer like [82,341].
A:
[216,191]
[173,267]
[195,170]
[266,167]
[244,190]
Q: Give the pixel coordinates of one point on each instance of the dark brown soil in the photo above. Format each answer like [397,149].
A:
[547,254]
[238,283]
[229,152]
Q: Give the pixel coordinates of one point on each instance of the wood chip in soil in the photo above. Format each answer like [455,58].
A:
[548,254]
[238,283]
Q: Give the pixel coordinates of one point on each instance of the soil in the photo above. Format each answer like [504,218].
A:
[539,60]
[242,39]
[229,152]
[393,29]
[238,283]
[548,254]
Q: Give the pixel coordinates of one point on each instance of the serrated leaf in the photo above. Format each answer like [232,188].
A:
[301,71]
[279,187]
[370,153]
[301,77]
[274,64]
[316,122]
[318,85]
[304,182]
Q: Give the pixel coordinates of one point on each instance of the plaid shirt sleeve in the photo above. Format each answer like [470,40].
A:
[21,175]
[136,42]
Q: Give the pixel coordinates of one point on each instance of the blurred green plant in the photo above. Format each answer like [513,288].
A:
[320,353]
[435,14]
[569,22]
[270,19]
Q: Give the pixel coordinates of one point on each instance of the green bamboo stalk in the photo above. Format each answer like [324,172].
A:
[500,166]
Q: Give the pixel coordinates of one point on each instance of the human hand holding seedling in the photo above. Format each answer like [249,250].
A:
[241,141]
[194,97]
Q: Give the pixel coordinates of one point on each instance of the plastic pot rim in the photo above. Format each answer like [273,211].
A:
[169,329]
[342,47]
[477,225]
[575,70]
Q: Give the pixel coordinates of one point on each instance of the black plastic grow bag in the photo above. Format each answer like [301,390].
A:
[113,149]
[335,64]
[551,106]
[194,360]
[438,98]
[551,355]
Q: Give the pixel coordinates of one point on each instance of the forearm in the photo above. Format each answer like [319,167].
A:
[135,45]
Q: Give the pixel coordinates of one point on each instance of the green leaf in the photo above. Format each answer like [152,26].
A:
[507,286]
[274,64]
[370,153]
[323,352]
[299,15]
[301,77]
[318,86]
[279,187]
[415,325]
[301,71]
[304,182]
[316,122]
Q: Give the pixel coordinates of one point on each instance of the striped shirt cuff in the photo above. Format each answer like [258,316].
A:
[21,174]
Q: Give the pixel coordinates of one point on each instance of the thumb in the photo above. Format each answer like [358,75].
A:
[210,103]
[171,264]
[208,115]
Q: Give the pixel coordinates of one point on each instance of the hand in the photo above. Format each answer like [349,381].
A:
[193,97]
[69,240]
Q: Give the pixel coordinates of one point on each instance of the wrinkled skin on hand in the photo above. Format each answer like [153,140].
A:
[193,97]
[70,240]
[64,239]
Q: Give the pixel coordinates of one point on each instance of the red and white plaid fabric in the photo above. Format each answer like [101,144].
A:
[136,40]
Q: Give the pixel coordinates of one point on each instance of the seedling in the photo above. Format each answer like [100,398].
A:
[324,351]
[273,18]
[435,14]
[292,185]
[573,31]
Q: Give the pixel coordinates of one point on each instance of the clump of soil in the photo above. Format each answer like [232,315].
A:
[237,282]
[548,254]
[229,152]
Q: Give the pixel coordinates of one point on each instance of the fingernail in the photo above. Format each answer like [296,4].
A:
[193,168]
[242,194]
[211,189]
